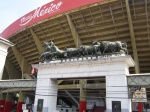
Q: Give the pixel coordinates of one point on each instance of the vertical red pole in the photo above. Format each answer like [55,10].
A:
[19,107]
[8,102]
[82,106]
[8,106]
[2,105]
[20,102]
[140,106]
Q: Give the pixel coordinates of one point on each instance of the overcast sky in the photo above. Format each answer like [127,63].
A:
[11,10]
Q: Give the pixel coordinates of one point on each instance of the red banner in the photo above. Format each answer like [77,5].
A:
[46,11]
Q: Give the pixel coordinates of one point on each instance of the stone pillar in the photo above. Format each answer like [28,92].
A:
[46,95]
[8,102]
[4,45]
[20,101]
[82,107]
[2,102]
[117,92]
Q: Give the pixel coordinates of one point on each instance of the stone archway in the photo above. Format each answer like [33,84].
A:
[114,68]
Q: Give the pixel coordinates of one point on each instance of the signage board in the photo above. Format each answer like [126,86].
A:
[139,96]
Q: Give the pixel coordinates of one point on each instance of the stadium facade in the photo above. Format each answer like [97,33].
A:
[71,24]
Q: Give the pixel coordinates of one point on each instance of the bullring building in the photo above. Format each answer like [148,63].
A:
[103,83]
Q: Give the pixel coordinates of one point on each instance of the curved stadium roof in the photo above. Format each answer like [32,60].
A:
[72,23]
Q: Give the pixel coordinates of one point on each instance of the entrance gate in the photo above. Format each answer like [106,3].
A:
[114,68]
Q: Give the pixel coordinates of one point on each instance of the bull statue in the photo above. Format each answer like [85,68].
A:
[108,47]
[72,52]
[90,50]
[52,52]
[46,56]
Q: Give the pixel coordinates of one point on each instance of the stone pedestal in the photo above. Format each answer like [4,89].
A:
[117,92]
[114,68]
[46,95]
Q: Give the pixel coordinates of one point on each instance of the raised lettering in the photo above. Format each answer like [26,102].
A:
[41,11]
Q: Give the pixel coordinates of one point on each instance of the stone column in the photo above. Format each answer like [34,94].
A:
[82,107]
[117,89]
[8,102]
[20,101]
[2,102]
[4,45]
[46,95]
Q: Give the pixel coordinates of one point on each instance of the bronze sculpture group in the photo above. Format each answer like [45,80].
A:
[52,52]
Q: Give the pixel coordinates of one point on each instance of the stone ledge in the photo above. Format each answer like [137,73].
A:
[100,59]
